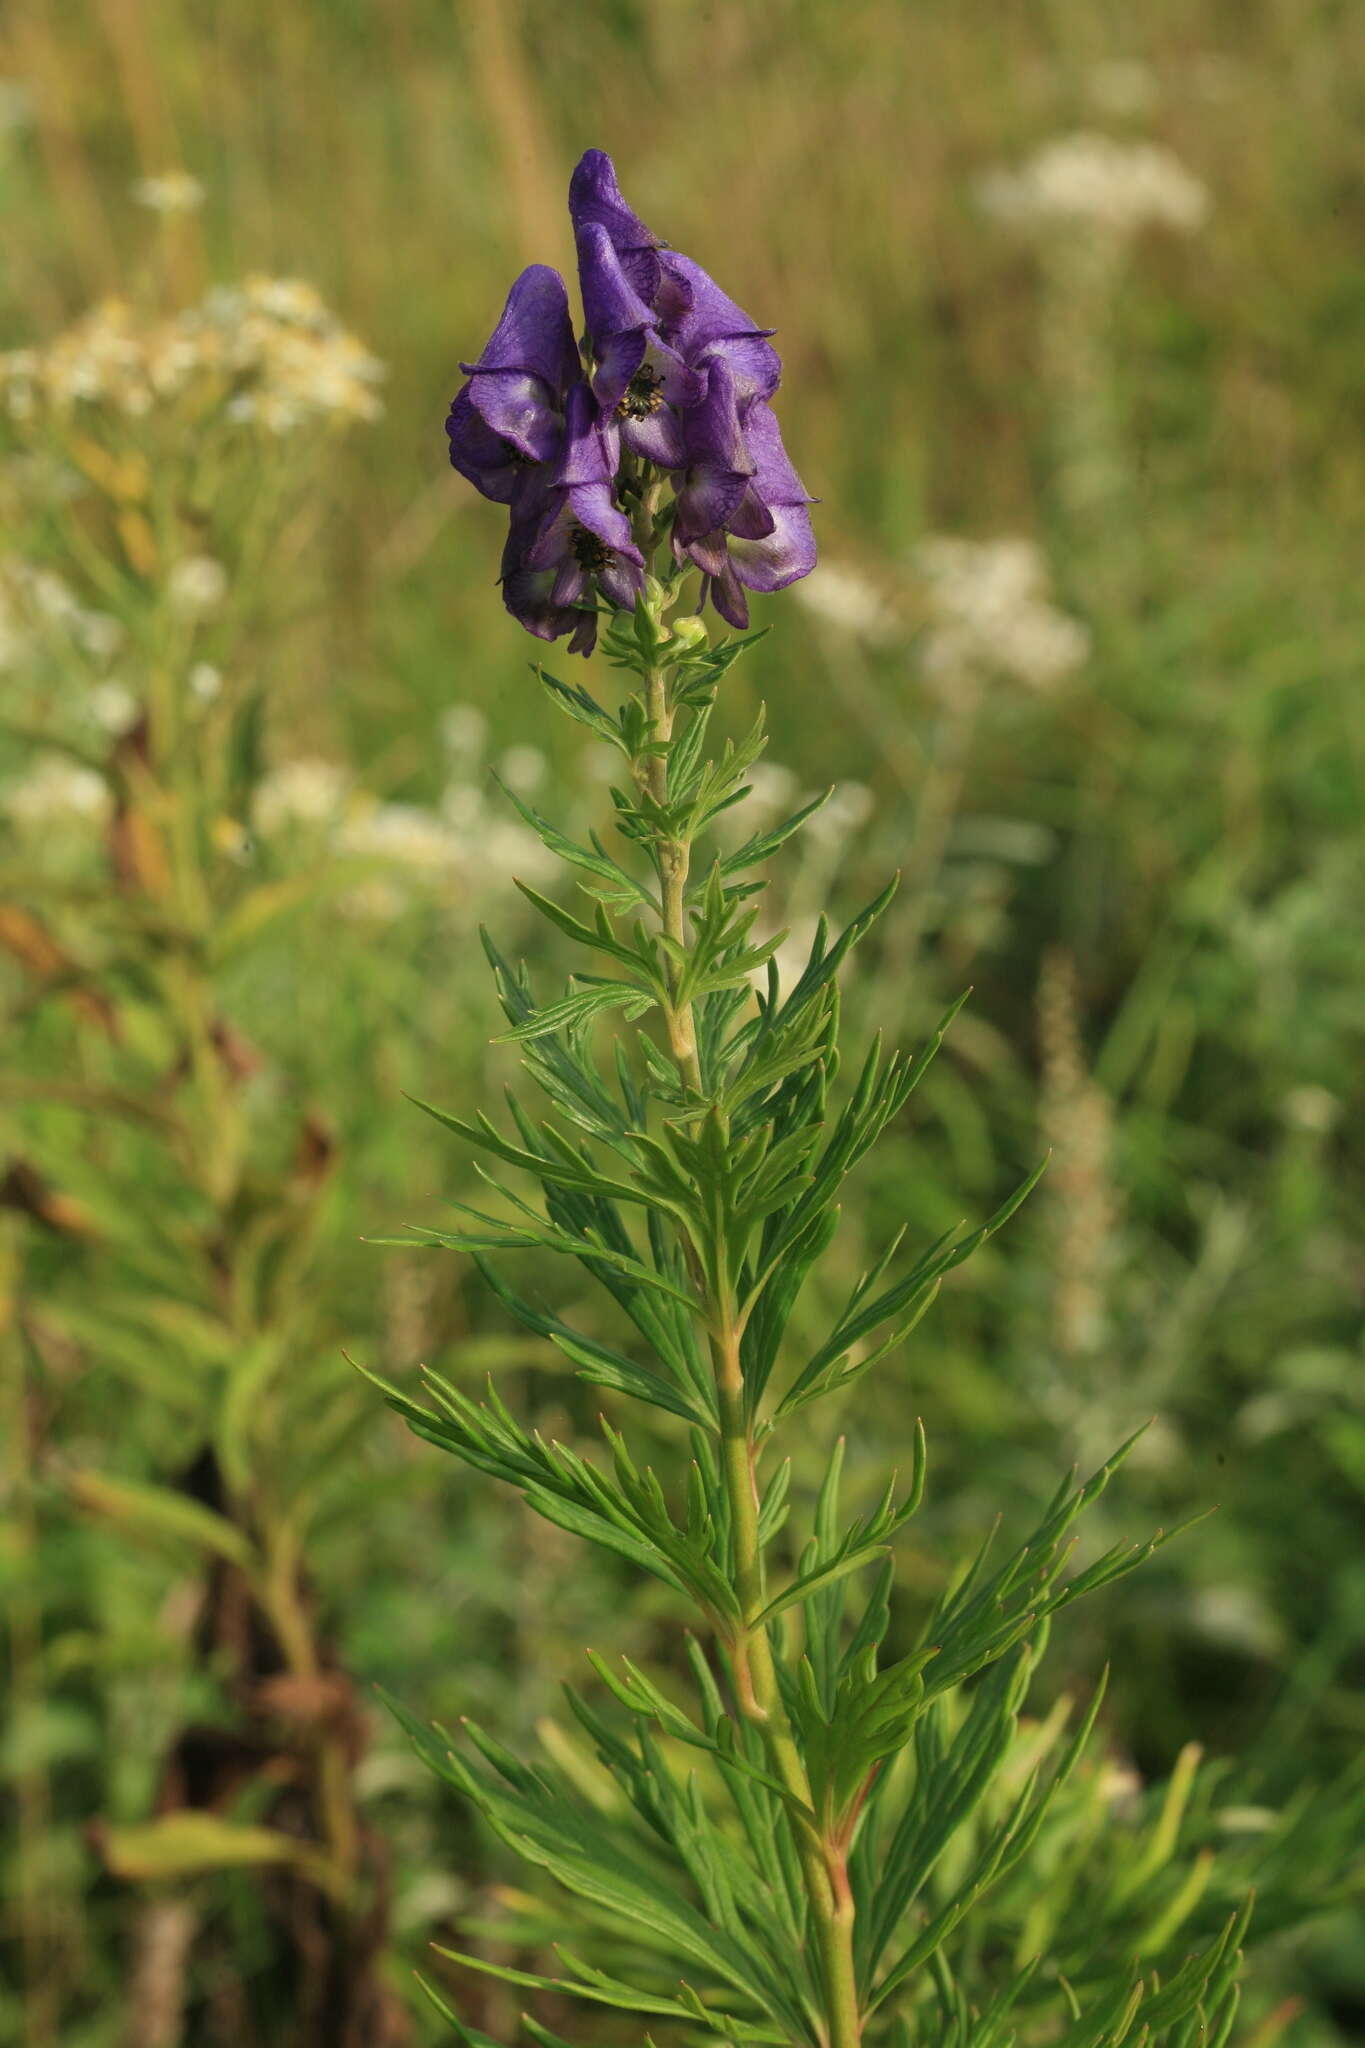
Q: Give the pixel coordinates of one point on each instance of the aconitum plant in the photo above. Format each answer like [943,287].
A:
[805,1850]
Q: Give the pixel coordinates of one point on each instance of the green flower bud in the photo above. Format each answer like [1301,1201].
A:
[688,633]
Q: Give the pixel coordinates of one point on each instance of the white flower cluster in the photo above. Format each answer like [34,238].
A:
[306,792]
[170,192]
[197,585]
[1095,181]
[469,841]
[843,598]
[990,610]
[55,791]
[36,603]
[268,352]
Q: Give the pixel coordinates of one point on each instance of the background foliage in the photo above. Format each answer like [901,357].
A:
[1149,870]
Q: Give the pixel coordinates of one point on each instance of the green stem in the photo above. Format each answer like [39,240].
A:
[759,1693]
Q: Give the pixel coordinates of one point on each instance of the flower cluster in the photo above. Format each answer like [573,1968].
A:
[267,352]
[1094,182]
[990,609]
[451,849]
[38,608]
[56,791]
[673,381]
[170,192]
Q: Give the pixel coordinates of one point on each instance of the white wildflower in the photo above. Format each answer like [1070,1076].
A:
[844,599]
[848,808]
[1119,1785]
[56,790]
[463,807]
[197,585]
[464,732]
[113,708]
[1310,1108]
[772,790]
[308,791]
[1236,1615]
[268,353]
[99,633]
[48,595]
[171,192]
[39,600]
[206,682]
[506,849]
[990,608]
[376,900]
[289,299]
[1094,181]
[522,769]
[403,833]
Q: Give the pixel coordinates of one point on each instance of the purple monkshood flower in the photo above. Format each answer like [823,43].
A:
[741,516]
[652,317]
[636,376]
[527,592]
[509,416]
[679,376]
[580,535]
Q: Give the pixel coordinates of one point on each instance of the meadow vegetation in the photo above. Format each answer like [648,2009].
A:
[1072,323]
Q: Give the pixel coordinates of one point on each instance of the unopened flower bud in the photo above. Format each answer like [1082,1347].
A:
[688,633]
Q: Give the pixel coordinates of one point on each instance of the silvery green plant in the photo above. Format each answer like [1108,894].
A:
[768,1863]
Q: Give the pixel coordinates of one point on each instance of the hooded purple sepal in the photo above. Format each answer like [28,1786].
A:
[535,333]
[583,534]
[719,467]
[528,593]
[769,541]
[786,552]
[493,465]
[712,324]
[595,200]
[634,371]
[517,386]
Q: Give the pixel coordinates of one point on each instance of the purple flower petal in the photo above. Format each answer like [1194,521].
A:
[611,304]
[617,363]
[658,437]
[520,408]
[711,322]
[489,462]
[707,552]
[622,581]
[719,464]
[596,513]
[528,592]
[784,557]
[774,478]
[729,599]
[751,519]
[572,583]
[535,333]
[595,200]
[589,455]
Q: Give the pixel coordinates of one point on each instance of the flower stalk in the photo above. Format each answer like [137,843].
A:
[695,1177]
[750,1653]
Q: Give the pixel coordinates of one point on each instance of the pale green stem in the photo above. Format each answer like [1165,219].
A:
[759,1692]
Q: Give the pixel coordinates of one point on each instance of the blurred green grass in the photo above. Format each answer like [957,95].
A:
[1195,798]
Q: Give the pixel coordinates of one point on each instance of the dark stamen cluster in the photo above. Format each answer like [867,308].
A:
[588,551]
[643,395]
